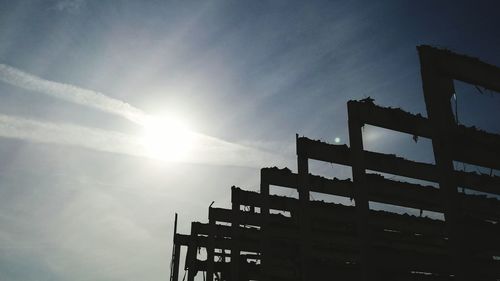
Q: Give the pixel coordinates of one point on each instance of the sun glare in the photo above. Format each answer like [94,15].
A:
[167,139]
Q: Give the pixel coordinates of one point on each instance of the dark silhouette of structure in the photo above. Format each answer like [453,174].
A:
[313,240]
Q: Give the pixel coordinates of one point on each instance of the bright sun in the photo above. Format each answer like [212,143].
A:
[167,139]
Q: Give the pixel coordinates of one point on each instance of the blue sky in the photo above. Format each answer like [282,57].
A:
[80,201]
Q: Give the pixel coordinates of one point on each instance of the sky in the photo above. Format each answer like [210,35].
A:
[91,90]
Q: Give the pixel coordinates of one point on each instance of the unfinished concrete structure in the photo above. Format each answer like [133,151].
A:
[326,241]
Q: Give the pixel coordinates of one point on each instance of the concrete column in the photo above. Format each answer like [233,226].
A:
[303,212]
[360,190]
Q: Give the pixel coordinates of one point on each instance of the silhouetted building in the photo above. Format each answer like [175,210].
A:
[269,237]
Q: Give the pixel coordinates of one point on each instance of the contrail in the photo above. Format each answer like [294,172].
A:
[68,134]
[209,150]
[70,93]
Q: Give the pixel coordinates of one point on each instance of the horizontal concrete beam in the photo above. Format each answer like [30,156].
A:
[391,118]
[391,164]
[467,144]
[464,68]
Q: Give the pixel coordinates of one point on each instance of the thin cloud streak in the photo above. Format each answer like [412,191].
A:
[68,134]
[209,150]
[70,93]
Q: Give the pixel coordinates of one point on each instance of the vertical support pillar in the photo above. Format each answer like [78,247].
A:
[191,254]
[438,90]
[192,273]
[176,251]
[303,212]
[264,226]
[210,246]
[235,235]
[360,189]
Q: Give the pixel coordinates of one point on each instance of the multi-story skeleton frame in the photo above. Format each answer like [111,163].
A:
[270,237]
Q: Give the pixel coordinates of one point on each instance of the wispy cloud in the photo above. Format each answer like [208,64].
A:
[70,93]
[69,5]
[208,149]
[212,150]
[68,134]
